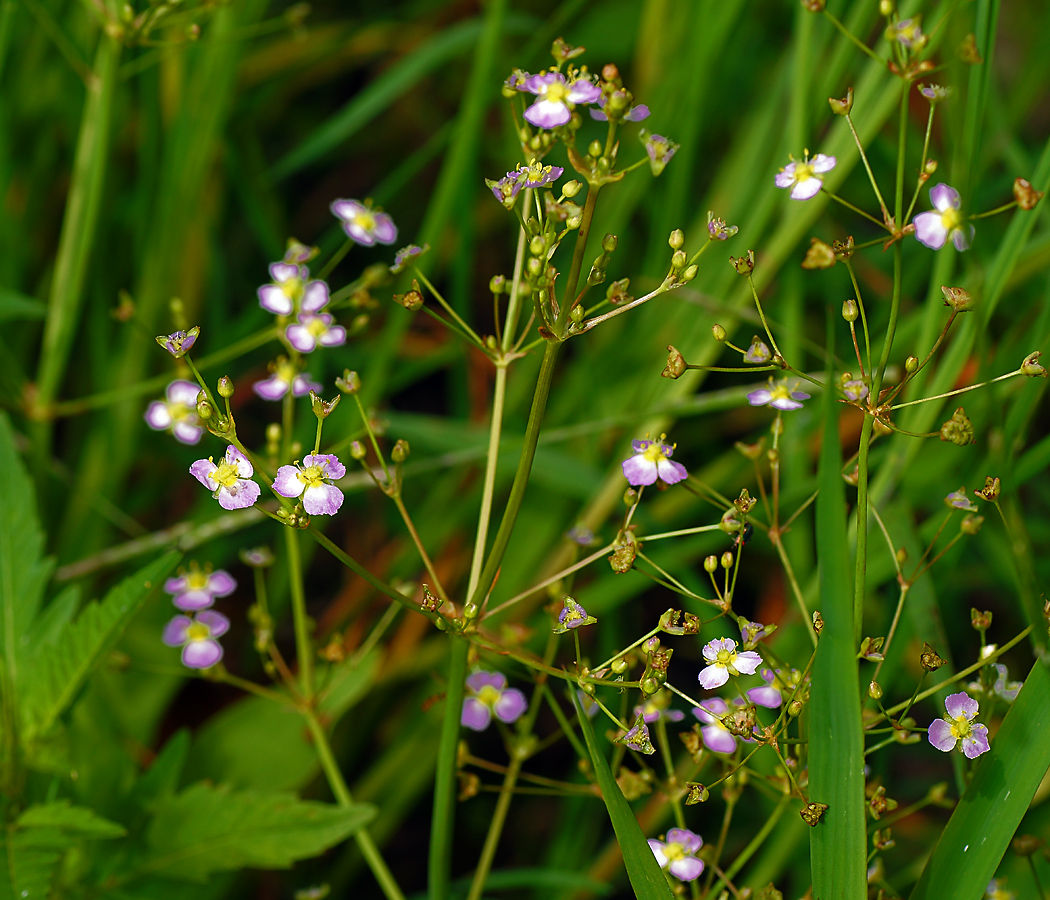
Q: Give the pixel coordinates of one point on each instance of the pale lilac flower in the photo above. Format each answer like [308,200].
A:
[1003,687]
[717,230]
[652,711]
[855,390]
[753,632]
[590,708]
[758,354]
[996,890]
[960,500]
[935,93]
[636,113]
[779,395]
[197,637]
[652,460]
[582,535]
[406,255]
[196,590]
[313,481]
[312,330]
[257,557]
[958,726]
[572,616]
[725,661]
[659,150]
[539,175]
[291,289]
[804,177]
[769,694]
[516,80]
[363,224]
[489,695]
[637,738]
[933,228]
[557,99]
[717,738]
[177,413]
[298,252]
[507,188]
[286,375]
[178,343]
[229,481]
[909,33]
[678,853]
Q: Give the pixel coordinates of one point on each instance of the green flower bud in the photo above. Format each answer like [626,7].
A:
[400,451]
[678,260]
[794,708]
[225,387]
[1031,366]
[571,188]
[727,560]
[357,450]
[690,273]
[538,246]
[619,665]
[718,333]
[497,284]
[677,239]
[875,691]
[850,311]
[930,167]
[676,364]
[577,313]
[595,149]
[349,382]
[911,365]
[204,408]
[609,243]
[710,564]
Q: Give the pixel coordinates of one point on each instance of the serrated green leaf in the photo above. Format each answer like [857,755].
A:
[209,829]
[1004,782]
[644,872]
[60,670]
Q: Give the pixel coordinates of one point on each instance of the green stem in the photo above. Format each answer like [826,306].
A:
[499,392]
[342,795]
[854,39]
[856,209]
[420,549]
[488,852]
[867,168]
[303,645]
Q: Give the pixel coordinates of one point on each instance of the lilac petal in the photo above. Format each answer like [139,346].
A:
[242,495]
[638,470]
[475,715]
[786,178]
[963,237]
[201,469]
[674,715]
[806,189]
[282,271]
[201,654]
[766,696]
[221,583]
[510,705]
[547,114]
[658,851]
[940,735]
[599,116]
[799,395]
[287,483]
[175,631]
[328,462]
[481,679]
[761,397]
[977,743]
[929,230]
[192,601]
[302,384]
[671,472]
[747,662]
[184,392]
[943,197]
[535,84]
[584,91]
[274,300]
[187,432]
[315,297]
[717,739]
[385,231]
[333,337]
[822,163]
[175,585]
[713,677]
[217,623]
[347,209]
[637,113]
[299,336]
[686,839]
[273,388]
[158,416]
[687,868]
[961,704]
[640,446]
[785,403]
[244,466]
[713,707]
[322,499]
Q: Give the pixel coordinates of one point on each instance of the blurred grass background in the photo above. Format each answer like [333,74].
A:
[179,170]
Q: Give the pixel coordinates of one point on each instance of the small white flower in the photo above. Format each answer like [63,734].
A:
[803,177]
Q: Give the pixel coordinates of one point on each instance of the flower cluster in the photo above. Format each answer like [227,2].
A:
[195,591]
[490,696]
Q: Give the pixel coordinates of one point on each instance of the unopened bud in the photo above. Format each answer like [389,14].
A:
[711,564]
[399,452]
[886,8]
[630,497]
[609,243]
[571,188]
[1031,366]
[718,333]
[727,560]
[225,387]
[690,273]
[349,382]
[850,310]
[930,167]
[357,450]
[794,708]
[875,691]
[971,524]
[1026,195]
[842,107]
[911,365]
[538,246]
[677,239]
[577,313]
[676,364]
[204,408]
[619,665]
[957,298]
[595,149]
[497,283]
[981,621]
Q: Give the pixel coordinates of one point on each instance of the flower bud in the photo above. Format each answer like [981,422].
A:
[204,408]
[958,429]
[814,6]
[571,188]
[678,260]
[930,167]
[676,364]
[619,665]
[727,560]
[710,564]
[349,382]
[875,691]
[842,107]
[981,621]
[357,450]
[1031,366]
[718,333]
[497,283]
[1026,195]
[850,311]
[595,149]
[400,451]
[886,8]
[630,497]
[957,298]
[731,521]
[744,265]
[609,243]
[677,239]
[573,222]
[690,273]
[225,387]
[794,708]
[538,246]
[911,365]
[577,313]
[971,524]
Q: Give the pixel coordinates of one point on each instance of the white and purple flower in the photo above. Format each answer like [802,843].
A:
[779,395]
[490,696]
[291,289]
[557,98]
[659,150]
[908,33]
[724,661]
[635,113]
[758,354]
[177,413]
[315,329]
[770,694]
[958,726]
[178,343]
[804,177]
[960,500]
[652,710]
[363,224]
[935,93]
[652,460]
[229,480]
[197,590]
[285,375]
[572,616]
[678,853]
[753,632]
[717,738]
[313,482]
[406,255]
[197,637]
[855,390]
[717,230]
[945,220]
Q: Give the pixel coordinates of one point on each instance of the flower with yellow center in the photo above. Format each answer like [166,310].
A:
[313,482]
[945,220]
[778,394]
[363,223]
[177,413]
[804,177]
[678,853]
[557,98]
[724,660]
[959,728]
[652,461]
[488,696]
[229,480]
[198,589]
[197,637]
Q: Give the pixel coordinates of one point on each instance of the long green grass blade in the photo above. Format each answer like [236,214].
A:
[988,814]
[646,878]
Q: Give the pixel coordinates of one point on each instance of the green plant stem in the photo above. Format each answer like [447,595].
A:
[757,841]
[575,567]
[922,167]
[863,315]
[859,44]
[342,795]
[499,817]
[418,542]
[856,209]
[867,168]
[499,392]
[303,644]
[972,387]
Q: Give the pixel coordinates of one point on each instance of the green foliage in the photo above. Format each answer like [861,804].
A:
[207,829]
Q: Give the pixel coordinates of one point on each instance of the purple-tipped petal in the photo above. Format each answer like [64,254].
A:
[766,696]
[333,337]
[712,709]
[329,462]
[221,583]
[944,197]
[242,495]
[671,472]
[274,300]
[822,163]
[322,499]
[639,471]
[786,178]
[244,466]
[216,622]
[273,388]
[201,469]
[176,585]
[747,662]
[201,654]
[637,113]
[963,237]
[481,679]
[806,189]
[385,230]
[315,297]
[183,392]
[961,704]
[282,271]
[187,432]
[287,482]
[510,706]
[193,601]
[761,397]
[475,715]
[299,336]
[347,209]
[929,230]
[713,677]
[717,739]
[158,416]
[785,403]
[686,839]
[547,114]
[977,743]
[175,631]
[658,848]
[302,385]
[688,868]
[940,735]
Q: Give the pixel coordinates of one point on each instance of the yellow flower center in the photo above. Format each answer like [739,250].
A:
[292,287]
[317,327]
[180,411]
[196,581]
[952,219]
[285,372]
[674,851]
[803,171]
[225,475]
[725,658]
[489,695]
[198,632]
[365,220]
[556,92]
[311,476]
[654,453]
[961,727]
[781,392]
